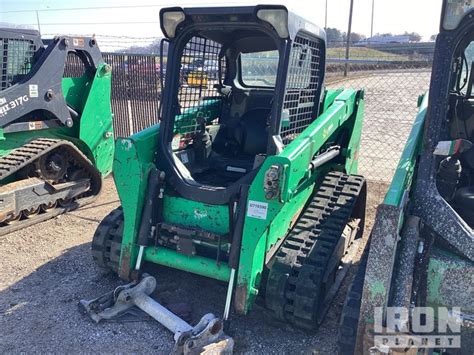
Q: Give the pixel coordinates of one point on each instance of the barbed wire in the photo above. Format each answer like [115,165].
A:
[93,23]
[106,7]
[101,36]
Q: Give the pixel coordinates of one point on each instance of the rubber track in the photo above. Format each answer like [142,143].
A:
[107,241]
[295,290]
[348,326]
[27,154]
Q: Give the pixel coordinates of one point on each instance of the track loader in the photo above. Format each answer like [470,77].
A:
[414,290]
[56,136]
[250,178]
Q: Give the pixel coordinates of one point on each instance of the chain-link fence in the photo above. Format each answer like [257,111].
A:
[392,88]
[391,97]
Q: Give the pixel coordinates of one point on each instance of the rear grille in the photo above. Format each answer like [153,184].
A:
[303,87]
[16,60]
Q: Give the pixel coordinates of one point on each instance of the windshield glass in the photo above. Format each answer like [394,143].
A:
[455,11]
[464,78]
[260,68]
[469,54]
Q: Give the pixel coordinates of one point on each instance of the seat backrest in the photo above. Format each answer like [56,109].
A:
[255,132]
[229,138]
[244,136]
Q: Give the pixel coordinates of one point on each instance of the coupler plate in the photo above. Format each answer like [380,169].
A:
[205,337]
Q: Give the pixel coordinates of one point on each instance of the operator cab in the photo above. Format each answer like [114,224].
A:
[239,87]
[219,146]
[455,176]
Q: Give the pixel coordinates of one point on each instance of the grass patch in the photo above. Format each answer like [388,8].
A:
[364,53]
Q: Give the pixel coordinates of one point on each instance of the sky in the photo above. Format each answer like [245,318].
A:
[122,23]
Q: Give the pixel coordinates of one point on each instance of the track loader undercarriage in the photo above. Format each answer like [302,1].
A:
[56,177]
[56,137]
[251,177]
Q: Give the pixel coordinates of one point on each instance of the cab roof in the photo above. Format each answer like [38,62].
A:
[249,14]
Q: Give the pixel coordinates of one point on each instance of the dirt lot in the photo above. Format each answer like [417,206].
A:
[47,269]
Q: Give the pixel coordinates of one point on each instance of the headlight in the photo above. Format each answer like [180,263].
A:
[272,182]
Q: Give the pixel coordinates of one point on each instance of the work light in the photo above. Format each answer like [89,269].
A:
[170,21]
[278,18]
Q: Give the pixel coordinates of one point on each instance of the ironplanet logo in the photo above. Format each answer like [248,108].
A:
[417,327]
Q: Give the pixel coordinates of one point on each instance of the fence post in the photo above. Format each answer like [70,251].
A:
[372,22]
[348,42]
[38,21]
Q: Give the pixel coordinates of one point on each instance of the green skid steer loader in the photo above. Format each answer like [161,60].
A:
[56,136]
[415,289]
[249,179]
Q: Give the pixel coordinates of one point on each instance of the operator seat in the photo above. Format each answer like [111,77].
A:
[239,140]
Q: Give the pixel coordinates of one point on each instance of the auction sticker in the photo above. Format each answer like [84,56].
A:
[78,42]
[33,90]
[257,209]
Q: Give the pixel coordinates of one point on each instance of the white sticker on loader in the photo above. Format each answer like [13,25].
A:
[257,209]
[33,90]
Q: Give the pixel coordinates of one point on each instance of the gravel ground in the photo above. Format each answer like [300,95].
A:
[47,269]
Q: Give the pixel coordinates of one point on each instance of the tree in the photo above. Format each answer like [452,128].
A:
[153,48]
[356,37]
[334,37]
[414,37]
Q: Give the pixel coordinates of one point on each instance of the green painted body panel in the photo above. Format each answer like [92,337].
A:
[299,153]
[96,129]
[329,97]
[91,98]
[212,218]
[76,91]
[403,178]
[132,163]
[134,158]
[199,265]
[450,279]
[260,235]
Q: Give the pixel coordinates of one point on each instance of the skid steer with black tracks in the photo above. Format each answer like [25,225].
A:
[414,291]
[56,136]
[249,178]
